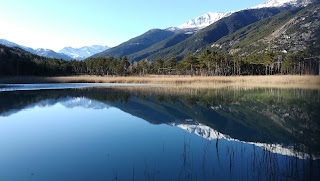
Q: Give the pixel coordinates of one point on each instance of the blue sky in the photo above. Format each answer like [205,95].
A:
[55,24]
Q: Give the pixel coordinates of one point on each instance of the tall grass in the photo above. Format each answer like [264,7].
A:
[283,81]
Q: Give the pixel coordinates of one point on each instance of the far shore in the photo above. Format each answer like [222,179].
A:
[281,81]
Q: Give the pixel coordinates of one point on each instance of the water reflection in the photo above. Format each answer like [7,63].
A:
[235,134]
[211,134]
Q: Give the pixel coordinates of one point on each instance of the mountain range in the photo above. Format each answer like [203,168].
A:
[67,53]
[202,32]
[211,17]
[276,25]
[39,51]
[83,52]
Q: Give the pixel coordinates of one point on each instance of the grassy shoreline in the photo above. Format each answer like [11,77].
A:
[281,81]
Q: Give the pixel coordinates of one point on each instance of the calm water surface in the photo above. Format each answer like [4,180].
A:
[159,134]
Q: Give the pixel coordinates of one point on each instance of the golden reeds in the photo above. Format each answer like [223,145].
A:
[279,81]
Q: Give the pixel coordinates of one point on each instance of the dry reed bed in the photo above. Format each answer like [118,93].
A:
[277,81]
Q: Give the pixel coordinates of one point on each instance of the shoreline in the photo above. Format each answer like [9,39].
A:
[280,81]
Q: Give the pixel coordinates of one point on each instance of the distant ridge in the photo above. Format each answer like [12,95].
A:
[83,52]
[40,51]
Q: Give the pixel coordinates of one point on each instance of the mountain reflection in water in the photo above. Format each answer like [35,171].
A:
[256,133]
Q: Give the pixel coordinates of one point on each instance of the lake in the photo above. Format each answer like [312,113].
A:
[84,132]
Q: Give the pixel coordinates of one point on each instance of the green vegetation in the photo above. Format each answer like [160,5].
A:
[16,62]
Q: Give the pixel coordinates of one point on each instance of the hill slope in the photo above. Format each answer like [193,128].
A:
[136,44]
[13,57]
[289,31]
[171,41]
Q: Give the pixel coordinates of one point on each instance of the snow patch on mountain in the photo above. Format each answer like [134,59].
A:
[83,52]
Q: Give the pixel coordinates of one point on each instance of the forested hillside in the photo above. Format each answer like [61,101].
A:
[207,36]
[169,42]
[17,62]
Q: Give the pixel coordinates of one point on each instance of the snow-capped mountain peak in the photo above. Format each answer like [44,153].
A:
[83,52]
[43,50]
[283,3]
[212,17]
[51,54]
[204,20]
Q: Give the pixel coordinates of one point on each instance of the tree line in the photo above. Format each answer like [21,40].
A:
[206,63]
